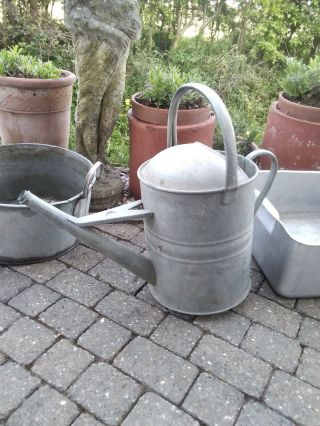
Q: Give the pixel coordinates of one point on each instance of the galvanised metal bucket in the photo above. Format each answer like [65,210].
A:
[62,177]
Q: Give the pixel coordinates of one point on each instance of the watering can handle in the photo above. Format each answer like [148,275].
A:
[273,171]
[91,177]
[224,120]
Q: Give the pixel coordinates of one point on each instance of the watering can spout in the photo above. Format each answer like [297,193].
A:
[136,263]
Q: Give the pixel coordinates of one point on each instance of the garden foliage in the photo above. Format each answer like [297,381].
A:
[13,63]
[239,49]
[302,82]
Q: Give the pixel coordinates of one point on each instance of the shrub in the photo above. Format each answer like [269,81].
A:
[14,64]
[302,82]
[247,89]
[161,84]
[46,39]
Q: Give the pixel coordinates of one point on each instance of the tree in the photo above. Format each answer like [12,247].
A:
[9,11]
[270,30]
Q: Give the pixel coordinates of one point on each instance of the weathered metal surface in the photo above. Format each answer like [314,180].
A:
[133,261]
[286,241]
[199,239]
[53,173]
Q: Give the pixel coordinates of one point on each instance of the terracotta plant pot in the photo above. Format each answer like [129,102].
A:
[148,134]
[293,135]
[36,110]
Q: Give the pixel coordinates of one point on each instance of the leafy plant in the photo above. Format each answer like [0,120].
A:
[302,82]
[161,84]
[13,63]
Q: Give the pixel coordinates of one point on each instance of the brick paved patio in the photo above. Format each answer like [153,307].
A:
[83,343]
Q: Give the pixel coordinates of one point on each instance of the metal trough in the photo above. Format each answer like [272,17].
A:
[286,241]
[62,177]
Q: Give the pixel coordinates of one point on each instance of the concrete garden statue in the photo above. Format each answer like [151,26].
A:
[103,31]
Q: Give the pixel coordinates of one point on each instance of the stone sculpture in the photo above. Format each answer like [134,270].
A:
[103,31]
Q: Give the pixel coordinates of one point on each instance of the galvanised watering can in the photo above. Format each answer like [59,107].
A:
[198,209]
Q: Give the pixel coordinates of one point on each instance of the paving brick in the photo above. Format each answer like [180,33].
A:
[34,300]
[125,231]
[116,275]
[104,338]
[46,406]
[162,413]
[11,283]
[16,384]
[229,326]
[176,335]
[25,340]
[309,368]
[257,279]
[266,291]
[134,314]
[309,334]
[139,224]
[145,295]
[272,347]
[256,414]
[158,368]
[79,287]
[270,314]
[86,420]
[7,316]
[139,240]
[62,364]
[232,365]
[68,317]
[82,258]
[105,392]
[41,272]
[131,246]
[294,399]
[309,307]
[213,402]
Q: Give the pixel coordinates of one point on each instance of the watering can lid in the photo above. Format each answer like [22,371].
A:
[190,167]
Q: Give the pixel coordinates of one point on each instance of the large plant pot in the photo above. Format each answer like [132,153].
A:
[148,134]
[36,110]
[293,135]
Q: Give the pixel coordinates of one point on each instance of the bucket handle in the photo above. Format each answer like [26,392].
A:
[225,122]
[93,174]
[273,171]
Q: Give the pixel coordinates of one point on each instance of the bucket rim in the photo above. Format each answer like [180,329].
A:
[40,147]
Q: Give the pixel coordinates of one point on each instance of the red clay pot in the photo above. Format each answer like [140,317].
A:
[148,134]
[293,135]
[36,110]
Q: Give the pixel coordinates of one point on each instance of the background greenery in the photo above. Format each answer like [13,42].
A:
[238,48]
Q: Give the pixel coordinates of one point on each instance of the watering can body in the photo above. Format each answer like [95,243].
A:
[200,247]
[198,209]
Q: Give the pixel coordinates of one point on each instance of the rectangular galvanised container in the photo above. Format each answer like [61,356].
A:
[286,239]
